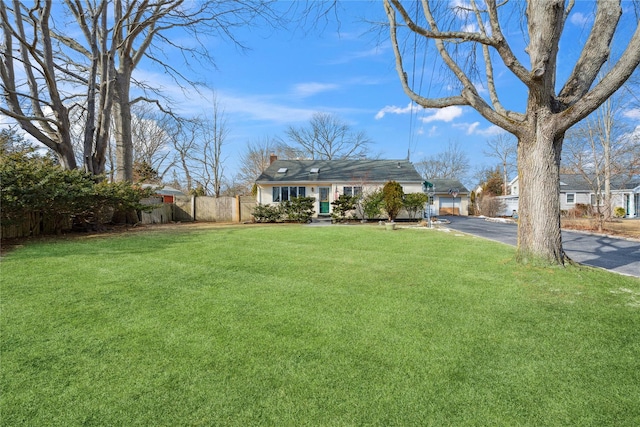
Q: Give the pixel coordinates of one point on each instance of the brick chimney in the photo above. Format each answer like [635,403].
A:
[272,158]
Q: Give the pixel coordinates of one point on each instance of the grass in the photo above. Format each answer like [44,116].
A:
[294,325]
[620,227]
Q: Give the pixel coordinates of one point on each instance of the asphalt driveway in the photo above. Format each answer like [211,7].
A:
[619,255]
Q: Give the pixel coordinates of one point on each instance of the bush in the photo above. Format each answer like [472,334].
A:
[342,206]
[268,213]
[392,199]
[492,206]
[32,184]
[371,205]
[619,212]
[299,209]
[414,202]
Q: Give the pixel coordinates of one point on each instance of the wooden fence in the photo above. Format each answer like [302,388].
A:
[214,209]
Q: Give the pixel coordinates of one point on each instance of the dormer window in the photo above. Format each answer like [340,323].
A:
[314,170]
[282,170]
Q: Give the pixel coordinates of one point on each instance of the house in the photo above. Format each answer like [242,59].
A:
[326,180]
[450,197]
[576,189]
[167,193]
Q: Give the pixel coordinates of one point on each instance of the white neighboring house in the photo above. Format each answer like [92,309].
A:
[326,180]
[576,189]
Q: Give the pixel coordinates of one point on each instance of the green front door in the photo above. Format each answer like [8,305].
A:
[324,200]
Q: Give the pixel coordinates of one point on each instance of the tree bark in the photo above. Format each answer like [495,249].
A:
[539,232]
[122,125]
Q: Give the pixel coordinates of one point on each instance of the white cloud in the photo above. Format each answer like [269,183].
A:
[262,108]
[470,28]
[309,89]
[392,109]
[632,114]
[579,19]
[447,114]
[474,129]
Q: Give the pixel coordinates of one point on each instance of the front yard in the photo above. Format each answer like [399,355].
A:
[619,227]
[296,325]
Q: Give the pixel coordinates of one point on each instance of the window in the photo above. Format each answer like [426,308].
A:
[571,198]
[314,170]
[595,200]
[282,194]
[352,191]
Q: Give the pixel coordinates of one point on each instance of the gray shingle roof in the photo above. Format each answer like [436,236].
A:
[577,182]
[340,171]
[444,185]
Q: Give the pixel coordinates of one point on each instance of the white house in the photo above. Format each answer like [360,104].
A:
[326,180]
[576,189]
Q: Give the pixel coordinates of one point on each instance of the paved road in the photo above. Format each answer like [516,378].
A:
[622,256]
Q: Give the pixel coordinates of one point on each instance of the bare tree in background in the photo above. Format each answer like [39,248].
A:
[214,132]
[453,163]
[255,159]
[504,148]
[152,136]
[541,128]
[327,137]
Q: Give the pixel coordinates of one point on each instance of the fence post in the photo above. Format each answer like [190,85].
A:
[238,210]
[193,207]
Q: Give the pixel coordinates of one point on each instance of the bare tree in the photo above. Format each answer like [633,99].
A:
[152,138]
[327,137]
[116,36]
[505,149]
[66,102]
[600,147]
[214,132]
[256,158]
[540,129]
[35,101]
[453,163]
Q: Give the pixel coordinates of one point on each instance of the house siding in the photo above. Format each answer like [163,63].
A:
[265,191]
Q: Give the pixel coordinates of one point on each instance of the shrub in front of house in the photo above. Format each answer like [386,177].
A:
[342,206]
[268,213]
[414,202]
[299,209]
[392,199]
[371,204]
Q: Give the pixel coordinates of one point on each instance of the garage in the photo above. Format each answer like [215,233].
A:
[449,205]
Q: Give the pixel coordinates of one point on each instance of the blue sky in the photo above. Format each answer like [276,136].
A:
[350,71]
[288,76]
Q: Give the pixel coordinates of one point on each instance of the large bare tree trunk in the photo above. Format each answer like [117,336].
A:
[122,124]
[539,207]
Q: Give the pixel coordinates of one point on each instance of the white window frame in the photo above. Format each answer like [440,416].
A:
[352,190]
[277,197]
[573,198]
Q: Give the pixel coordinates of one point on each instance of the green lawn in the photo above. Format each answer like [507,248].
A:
[296,325]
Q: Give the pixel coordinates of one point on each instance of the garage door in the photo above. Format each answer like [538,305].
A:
[450,205]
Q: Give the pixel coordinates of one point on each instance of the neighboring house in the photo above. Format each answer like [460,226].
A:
[576,189]
[167,193]
[450,197]
[326,180]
